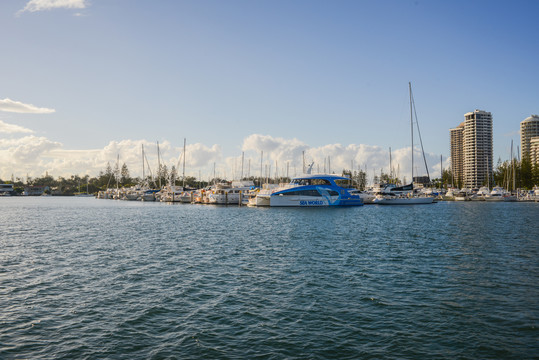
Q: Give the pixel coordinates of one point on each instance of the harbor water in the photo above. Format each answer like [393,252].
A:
[82,278]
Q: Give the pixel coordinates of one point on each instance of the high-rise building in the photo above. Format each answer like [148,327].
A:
[529,128]
[534,150]
[471,146]
[457,156]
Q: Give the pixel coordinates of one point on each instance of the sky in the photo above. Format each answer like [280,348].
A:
[85,82]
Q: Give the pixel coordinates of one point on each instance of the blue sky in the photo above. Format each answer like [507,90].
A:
[327,77]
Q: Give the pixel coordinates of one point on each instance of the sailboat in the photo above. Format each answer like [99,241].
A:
[409,198]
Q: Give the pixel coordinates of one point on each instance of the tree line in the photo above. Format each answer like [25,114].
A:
[509,174]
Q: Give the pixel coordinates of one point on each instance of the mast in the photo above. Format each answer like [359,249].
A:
[390,167]
[488,174]
[242,158]
[441,173]
[117,172]
[513,165]
[143,170]
[158,165]
[329,165]
[183,174]
[287,168]
[411,129]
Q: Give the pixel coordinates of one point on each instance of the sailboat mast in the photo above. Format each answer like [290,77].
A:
[441,173]
[183,174]
[158,165]
[390,167]
[411,128]
[143,170]
[117,172]
[242,159]
[513,166]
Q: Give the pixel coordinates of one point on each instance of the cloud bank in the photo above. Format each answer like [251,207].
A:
[33,156]
[43,5]
[9,105]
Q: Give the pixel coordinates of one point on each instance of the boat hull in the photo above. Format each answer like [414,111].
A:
[404,201]
[313,201]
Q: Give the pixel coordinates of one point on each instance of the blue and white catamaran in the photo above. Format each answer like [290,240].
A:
[316,190]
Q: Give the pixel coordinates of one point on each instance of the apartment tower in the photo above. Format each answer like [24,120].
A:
[534,151]
[471,146]
[529,129]
[457,155]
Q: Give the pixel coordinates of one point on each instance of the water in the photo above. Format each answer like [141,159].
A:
[93,279]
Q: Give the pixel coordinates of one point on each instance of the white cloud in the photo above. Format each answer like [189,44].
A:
[19,107]
[333,158]
[36,155]
[24,154]
[41,5]
[6,128]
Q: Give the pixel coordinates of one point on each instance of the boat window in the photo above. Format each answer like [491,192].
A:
[333,193]
[309,193]
[320,182]
[343,182]
[304,182]
[302,193]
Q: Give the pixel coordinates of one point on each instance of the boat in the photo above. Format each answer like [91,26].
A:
[462,195]
[235,193]
[261,196]
[405,194]
[170,193]
[6,190]
[394,199]
[316,191]
[148,195]
[496,194]
[366,197]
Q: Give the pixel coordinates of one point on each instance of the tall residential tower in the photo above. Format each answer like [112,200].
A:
[471,149]
[529,129]
[457,156]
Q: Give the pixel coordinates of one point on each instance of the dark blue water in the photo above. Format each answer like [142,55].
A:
[94,279]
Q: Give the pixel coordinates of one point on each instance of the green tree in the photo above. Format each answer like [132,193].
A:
[125,179]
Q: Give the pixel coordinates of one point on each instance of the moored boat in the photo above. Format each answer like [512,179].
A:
[315,191]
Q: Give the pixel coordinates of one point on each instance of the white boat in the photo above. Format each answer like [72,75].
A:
[366,197]
[392,199]
[236,193]
[496,194]
[510,197]
[406,193]
[462,195]
[148,195]
[261,197]
[170,193]
[480,194]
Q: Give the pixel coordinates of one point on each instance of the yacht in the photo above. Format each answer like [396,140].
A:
[496,194]
[236,193]
[315,191]
[393,199]
[261,197]
[170,193]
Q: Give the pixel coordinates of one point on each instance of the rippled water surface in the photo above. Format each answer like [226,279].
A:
[94,279]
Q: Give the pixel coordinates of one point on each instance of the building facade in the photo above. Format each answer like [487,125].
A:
[534,151]
[471,149]
[457,156]
[529,129]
